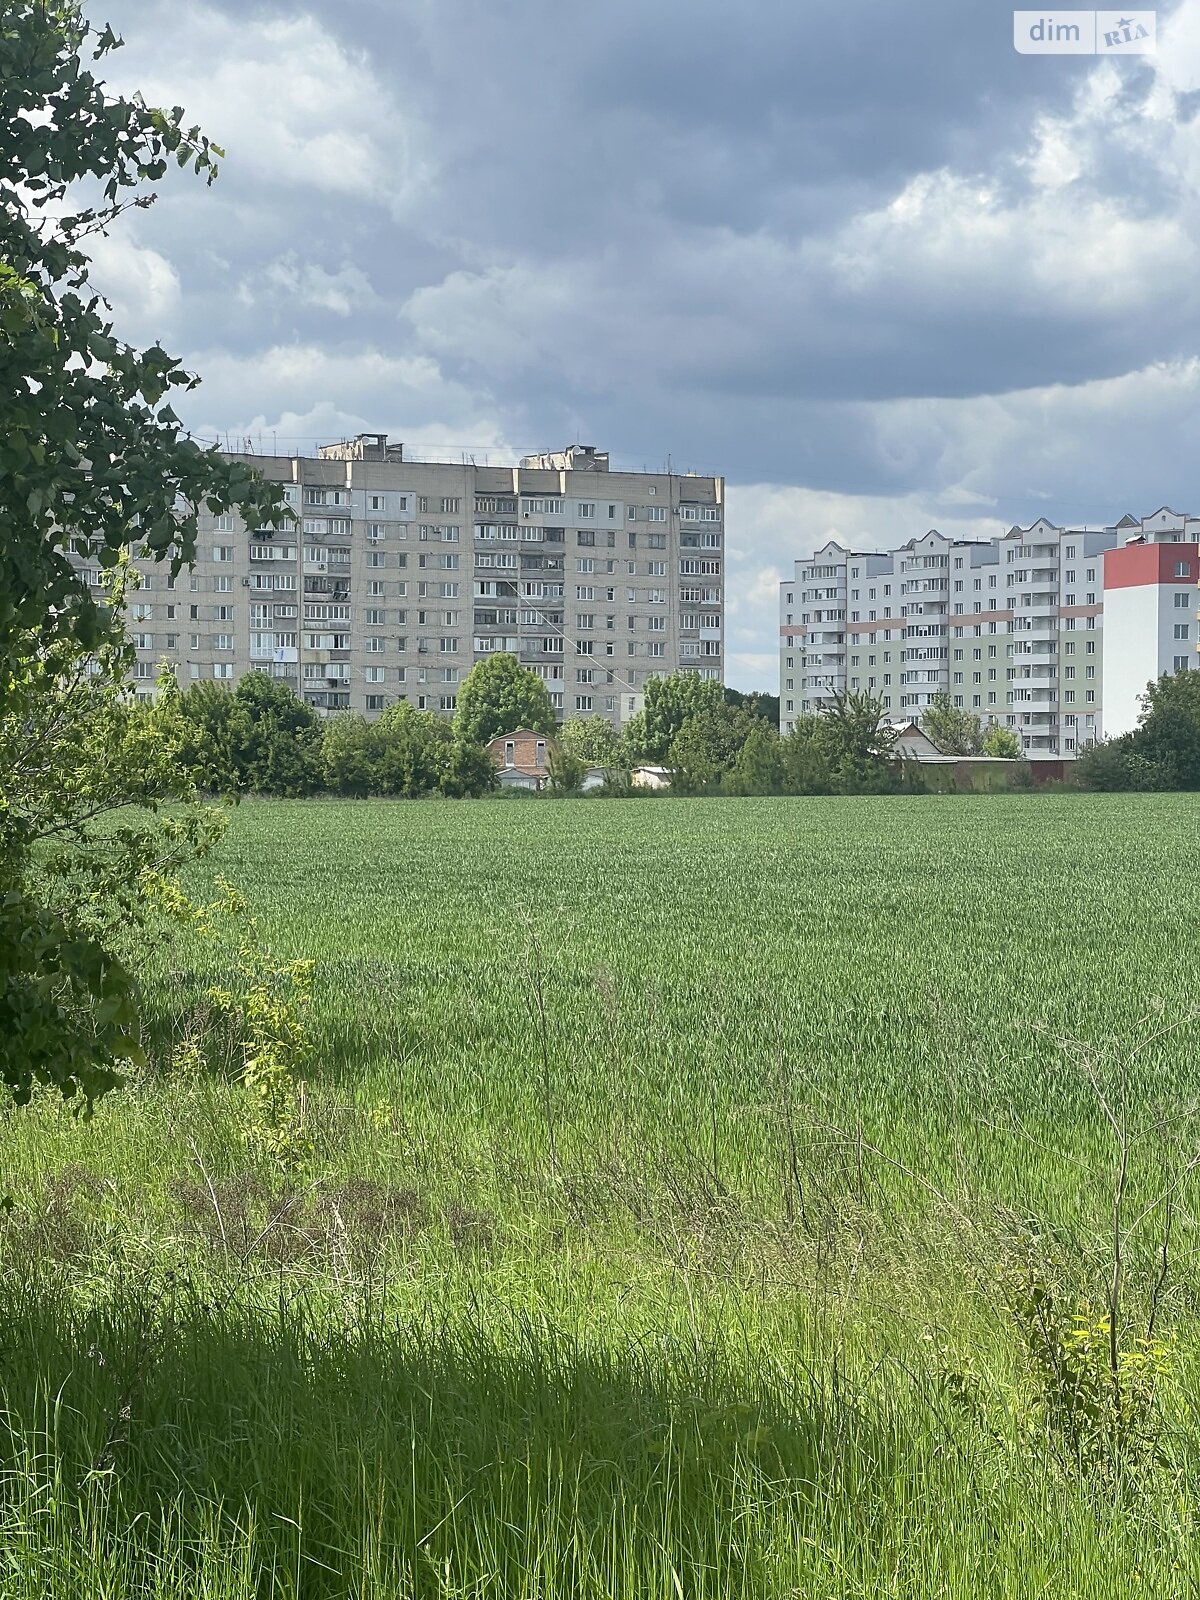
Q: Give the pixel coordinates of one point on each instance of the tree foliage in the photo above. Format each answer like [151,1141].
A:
[669,702]
[499,695]
[403,754]
[1002,743]
[707,746]
[567,770]
[84,769]
[593,741]
[954,731]
[1162,752]
[92,458]
[757,702]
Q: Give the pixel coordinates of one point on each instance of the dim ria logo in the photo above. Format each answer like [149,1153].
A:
[1084,33]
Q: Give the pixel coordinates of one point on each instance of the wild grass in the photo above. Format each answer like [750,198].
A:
[694,1277]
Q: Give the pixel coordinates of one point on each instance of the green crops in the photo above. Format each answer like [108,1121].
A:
[668,1168]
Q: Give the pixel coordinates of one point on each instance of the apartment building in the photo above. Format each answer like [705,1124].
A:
[399,575]
[1037,630]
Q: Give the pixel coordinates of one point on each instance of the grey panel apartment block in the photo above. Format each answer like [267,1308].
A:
[401,574]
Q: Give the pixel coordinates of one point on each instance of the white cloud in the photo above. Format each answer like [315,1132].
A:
[308,284]
[140,284]
[347,392]
[291,104]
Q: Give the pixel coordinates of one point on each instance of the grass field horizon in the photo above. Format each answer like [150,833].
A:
[669,1171]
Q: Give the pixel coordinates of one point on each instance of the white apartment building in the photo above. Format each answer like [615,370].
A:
[399,575]
[1038,630]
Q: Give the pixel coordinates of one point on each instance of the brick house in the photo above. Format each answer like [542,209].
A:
[522,758]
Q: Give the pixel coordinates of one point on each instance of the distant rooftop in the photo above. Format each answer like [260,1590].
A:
[377,447]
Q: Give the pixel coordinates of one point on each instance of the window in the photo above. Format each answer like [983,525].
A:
[448,647]
[1183,569]
[1182,601]
[586,536]
[222,552]
[223,669]
[451,504]
[1180,664]
[587,509]
[1182,630]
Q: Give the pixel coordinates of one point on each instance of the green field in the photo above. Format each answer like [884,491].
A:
[667,1182]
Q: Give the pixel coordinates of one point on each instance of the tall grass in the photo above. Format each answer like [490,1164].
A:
[694,1279]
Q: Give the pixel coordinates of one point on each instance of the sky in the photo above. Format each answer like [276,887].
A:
[867,261]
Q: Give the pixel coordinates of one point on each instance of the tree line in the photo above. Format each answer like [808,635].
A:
[261,738]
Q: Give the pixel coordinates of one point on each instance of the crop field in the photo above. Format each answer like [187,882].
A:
[675,1198]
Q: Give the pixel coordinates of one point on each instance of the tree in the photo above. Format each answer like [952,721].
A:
[807,767]
[210,737]
[499,695]
[591,740]
[1168,730]
[1162,752]
[845,748]
[1116,764]
[760,766]
[414,750]
[1002,743]
[758,703]
[84,768]
[92,458]
[954,731]
[468,770]
[277,738]
[706,746]
[669,702]
[351,755]
[567,770]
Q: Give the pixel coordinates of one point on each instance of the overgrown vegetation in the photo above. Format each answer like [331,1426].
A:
[1162,752]
[753,1258]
